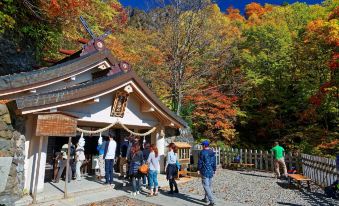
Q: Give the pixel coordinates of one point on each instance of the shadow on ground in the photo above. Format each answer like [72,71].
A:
[183,197]
[255,175]
[314,198]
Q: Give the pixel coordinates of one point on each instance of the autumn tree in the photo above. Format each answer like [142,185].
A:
[214,115]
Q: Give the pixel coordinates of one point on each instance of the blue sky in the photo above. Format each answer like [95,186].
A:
[223,4]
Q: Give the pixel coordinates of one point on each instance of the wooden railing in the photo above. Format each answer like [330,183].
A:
[321,170]
[262,160]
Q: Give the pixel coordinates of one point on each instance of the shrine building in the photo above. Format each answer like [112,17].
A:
[87,91]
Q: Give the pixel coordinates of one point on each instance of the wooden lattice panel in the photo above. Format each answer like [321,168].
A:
[56,125]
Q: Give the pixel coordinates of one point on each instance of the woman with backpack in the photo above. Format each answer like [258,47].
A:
[136,160]
[171,168]
[154,167]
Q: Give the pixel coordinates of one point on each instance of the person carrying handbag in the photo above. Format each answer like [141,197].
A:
[136,160]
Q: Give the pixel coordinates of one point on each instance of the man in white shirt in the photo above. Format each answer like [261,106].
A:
[109,156]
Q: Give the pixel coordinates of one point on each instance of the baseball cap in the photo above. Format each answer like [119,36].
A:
[205,143]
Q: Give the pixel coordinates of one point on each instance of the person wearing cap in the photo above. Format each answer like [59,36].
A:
[109,156]
[207,168]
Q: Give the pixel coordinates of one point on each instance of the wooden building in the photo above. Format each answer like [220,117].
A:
[90,90]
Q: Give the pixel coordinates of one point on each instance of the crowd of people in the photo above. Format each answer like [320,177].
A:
[131,156]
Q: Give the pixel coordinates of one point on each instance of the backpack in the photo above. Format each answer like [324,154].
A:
[332,191]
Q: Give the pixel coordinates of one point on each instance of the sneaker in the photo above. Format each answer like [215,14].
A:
[138,193]
[133,193]
[176,191]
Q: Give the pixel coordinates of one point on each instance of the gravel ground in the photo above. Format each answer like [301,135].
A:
[258,188]
[121,201]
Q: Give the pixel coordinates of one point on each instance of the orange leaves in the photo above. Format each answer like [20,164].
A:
[57,8]
[257,9]
[234,14]
[214,114]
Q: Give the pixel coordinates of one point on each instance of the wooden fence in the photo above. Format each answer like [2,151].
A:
[321,170]
[262,160]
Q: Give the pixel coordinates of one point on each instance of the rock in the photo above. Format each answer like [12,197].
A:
[3,126]
[3,109]
[6,118]
[6,134]
[5,144]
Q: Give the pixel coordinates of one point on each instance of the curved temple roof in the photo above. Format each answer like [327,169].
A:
[24,81]
[42,101]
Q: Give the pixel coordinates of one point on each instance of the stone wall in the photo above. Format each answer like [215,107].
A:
[12,149]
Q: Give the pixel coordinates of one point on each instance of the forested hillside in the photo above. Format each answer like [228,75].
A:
[237,80]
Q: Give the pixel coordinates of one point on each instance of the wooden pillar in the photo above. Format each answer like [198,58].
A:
[37,171]
[67,165]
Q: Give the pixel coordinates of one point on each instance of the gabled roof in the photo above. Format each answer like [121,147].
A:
[83,92]
[15,83]
[90,90]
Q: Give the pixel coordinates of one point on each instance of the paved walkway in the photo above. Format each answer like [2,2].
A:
[89,190]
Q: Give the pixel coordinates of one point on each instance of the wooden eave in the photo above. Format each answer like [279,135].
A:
[95,89]
[21,82]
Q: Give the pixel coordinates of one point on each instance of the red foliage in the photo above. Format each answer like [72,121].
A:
[334,14]
[334,62]
[323,87]
[123,16]
[214,114]
[316,99]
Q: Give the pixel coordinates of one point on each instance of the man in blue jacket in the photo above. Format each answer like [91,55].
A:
[207,168]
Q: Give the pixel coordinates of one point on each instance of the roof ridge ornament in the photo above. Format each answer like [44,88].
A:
[96,43]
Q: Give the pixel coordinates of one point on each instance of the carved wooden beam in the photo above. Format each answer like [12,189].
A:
[83,40]
[147,108]
[67,52]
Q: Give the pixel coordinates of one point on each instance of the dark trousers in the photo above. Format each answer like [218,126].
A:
[109,170]
[172,183]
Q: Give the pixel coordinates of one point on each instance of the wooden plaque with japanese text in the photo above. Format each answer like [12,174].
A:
[119,104]
[60,125]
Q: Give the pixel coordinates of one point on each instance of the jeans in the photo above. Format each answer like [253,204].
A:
[77,171]
[281,162]
[144,177]
[109,170]
[207,184]
[153,179]
[136,183]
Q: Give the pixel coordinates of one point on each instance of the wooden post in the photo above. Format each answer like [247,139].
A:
[67,165]
[256,159]
[37,171]
[272,161]
[266,160]
[240,154]
[260,160]
[245,155]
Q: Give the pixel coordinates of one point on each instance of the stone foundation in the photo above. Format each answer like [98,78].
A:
[12,148]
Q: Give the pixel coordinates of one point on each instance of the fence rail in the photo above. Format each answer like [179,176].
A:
[321,170]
